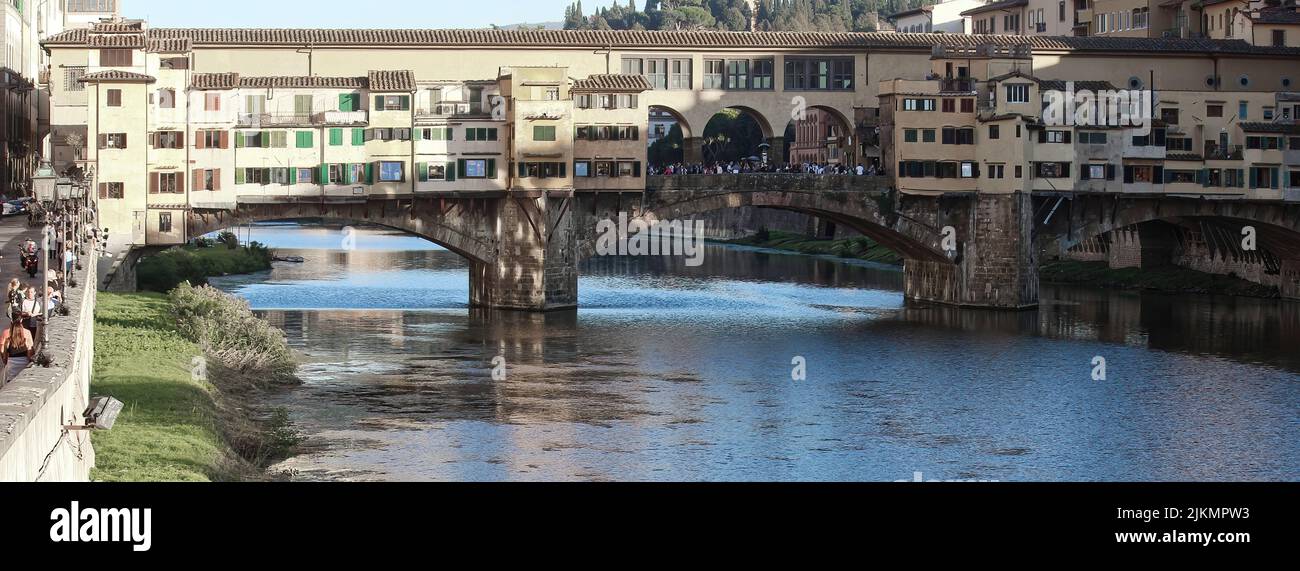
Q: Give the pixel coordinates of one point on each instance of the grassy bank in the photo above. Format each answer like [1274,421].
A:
[184,419]
[860,248]
[1170,279]
[165,271]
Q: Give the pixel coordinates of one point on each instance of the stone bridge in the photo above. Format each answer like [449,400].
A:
[524,248]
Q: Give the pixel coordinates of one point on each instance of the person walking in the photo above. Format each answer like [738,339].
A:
[14,299]
[19,350]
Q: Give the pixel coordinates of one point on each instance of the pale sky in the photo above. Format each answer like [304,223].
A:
[349,13]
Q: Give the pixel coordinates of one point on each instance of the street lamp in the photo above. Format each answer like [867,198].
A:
[44,183]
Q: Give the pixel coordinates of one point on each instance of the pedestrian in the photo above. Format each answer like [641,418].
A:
[19,349]
[69,260]
[14,299]
[30,309]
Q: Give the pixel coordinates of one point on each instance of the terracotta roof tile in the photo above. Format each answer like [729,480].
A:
[222,81]
[116,41]
[995,6]
[1284,128]
[1090,85]
[676,39]
[612,82]
[117,76]
[118,27]
[169,46]
[1276,15]
[400,80]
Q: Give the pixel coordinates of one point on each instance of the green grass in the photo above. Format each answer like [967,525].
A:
[859,248]
[1171,279]
[168,429]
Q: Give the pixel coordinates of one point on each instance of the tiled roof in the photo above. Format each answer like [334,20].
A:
[116,41]
[117,76]
[676,39]
[168,46]
[1014,73]
[1205,3]
[612,82]
[1004,4]
[911,12]
[118,27]
[221,81]
[1090,85]
[1277,15]
[400,80]
[1284,128]
[1183,157]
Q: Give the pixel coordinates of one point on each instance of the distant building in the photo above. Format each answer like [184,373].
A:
[944,17]
[819,138]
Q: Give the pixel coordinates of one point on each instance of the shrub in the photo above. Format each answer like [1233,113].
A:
[164,272]
[229,239]
[233,338]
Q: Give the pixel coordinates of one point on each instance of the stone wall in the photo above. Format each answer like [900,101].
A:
[37,405]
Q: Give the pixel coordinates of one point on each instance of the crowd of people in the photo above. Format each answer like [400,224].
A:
[28,303]
[748,167]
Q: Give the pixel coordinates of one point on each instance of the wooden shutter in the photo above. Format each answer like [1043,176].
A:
[103,190]
[103,141]
[239,176]
[199,140]
[1067,137]
[422,172]
[1042,135]
[636,168]
[216,179]
[180,183]
[450,171]
[196,179]
[153,183]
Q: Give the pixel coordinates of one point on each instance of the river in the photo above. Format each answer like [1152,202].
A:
[669,372]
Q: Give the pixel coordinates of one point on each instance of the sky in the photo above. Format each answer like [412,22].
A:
[349,13]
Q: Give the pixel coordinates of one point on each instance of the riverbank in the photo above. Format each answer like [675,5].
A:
[188,416]
[859,248]
[1168,279]
[163,272]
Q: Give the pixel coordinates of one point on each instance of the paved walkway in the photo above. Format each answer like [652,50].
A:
[13,231]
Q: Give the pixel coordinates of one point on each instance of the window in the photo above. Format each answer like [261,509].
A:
[738,74]
[1242,110]
[542,170]
[713,73]
[81,6]
[1263,177]
[967,105]
[633,66]
[211,139]
[681,74]
[116,57]
[543,132]
[164,222]
[392,171]
[169,140]
[167,98]
[927,135]
[115,98]
[1169,115]
[1143,174]
[1094,172]
[1214,110]
[761,73]
[440,133]
[582,169]
[480,134]
[72,78]
[1268,113]
[657,73]
[207,179]
[1020,171]
[212,102]
[165,183]
[1018,93]
[909,135]
[818,74]
[437,171]
[475,168]
[1056,136]
[910,104]
[304,140]
[111,190]
[551,94]
[1052,170]
[392,103]
[305,175]
[302,105]
[1279,38]
[1092,137]
[279,176]
[112,141]
[948,105]
[969,170]
[254,104]
[252,176]
[997,171]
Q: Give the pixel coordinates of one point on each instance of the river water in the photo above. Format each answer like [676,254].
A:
[675,373]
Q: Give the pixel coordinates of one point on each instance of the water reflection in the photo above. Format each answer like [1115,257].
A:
[670,372]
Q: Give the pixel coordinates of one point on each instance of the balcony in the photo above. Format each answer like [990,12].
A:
[341,118]
[256,120]
[1231,153]
[1040,28]
[957,85]
[452,109]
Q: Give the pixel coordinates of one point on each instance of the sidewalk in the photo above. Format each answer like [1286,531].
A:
[13,231]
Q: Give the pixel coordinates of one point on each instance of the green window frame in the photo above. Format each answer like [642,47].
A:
[305,140]
[543,132]
[358,137]
[336,137]
[349,102]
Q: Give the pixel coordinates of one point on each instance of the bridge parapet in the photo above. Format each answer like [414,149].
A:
[37,405]
[769,182]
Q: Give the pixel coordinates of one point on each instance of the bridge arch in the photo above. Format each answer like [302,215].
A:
[456,227]
[868,213]
[843,131]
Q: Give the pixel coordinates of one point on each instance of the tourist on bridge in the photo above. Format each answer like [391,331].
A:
[19,349]
[14,299]
[30,310]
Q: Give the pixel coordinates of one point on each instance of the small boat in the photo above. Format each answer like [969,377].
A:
[290,259]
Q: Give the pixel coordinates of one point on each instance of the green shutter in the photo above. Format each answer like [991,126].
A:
[370,173]
[451,133]
[266,139]
[336,137]
[492,134]
[379,103]
[358,137]
[460,168]
[406,102]
[239,176]
[305,140]
[293,175]
[451,172]
[239,139]
[266,176]
[492,168]
[347,102]
[422,170]
[1274,176]
[417,134]
[324,173]
[523,170]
